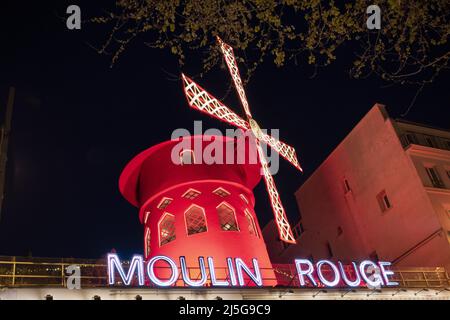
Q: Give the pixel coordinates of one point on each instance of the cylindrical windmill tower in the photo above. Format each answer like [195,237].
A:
[190,208]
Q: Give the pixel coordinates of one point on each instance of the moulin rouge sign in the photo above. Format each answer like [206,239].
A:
[365,274]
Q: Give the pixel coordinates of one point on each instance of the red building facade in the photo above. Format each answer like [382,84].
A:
[383,193]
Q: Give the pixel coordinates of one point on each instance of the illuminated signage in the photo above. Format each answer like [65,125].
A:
[235,271]
[323,273]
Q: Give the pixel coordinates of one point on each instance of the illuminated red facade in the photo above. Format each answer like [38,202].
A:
[383,193]
[195,209]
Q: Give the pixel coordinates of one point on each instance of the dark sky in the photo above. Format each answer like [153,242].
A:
[77,122]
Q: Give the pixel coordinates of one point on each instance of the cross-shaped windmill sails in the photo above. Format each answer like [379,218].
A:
[201,100]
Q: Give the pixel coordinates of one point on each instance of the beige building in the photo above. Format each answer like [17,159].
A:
[384,193]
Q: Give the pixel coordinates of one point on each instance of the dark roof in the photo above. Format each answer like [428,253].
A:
[421,125]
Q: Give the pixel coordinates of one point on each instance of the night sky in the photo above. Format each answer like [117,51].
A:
[77,122]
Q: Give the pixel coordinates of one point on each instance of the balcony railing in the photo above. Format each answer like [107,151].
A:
[28,272]
[430,142]
[39,272]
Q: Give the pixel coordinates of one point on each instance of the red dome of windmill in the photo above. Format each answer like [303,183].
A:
[195,209]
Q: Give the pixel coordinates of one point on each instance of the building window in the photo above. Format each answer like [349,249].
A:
[346,186]
[409,138]
[430,141]
[191,194]
[187,157]
[297,230]
[339,231]
[221,192]
[147,242]
[195,220]
[384,202]
[329,250]
[434,178]
[164,203]
[227,218]
[246,200]
[252,229]
[166,229]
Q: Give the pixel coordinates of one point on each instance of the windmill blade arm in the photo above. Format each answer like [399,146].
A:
[285,150]
[200,99]
[228,54]
[284,229]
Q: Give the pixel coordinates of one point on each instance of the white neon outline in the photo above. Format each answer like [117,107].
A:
[223,190]
[240,265]
[212,275]
[301,273]
[151,272]
[162,201]
[231,272]
[226,204]
[147,214]
[244,198]
[385,273]
[356,282]
[185,274]
[322,279]
[189,190]
[159,228]
[362,271]
[147,239]
[204,216]
[136,261]
[252,223]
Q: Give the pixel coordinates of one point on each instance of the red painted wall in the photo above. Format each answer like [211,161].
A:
[372,159]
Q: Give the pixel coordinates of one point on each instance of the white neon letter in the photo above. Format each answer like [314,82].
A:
[256,277]
[151,271]
[301,273]
[231,271]
[337,277]
[212,273]
[376,280]
[136,262]
[185,272]
[386,273]
[347,281]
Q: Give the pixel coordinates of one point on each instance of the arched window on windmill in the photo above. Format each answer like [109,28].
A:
[147,241]
[195,219]
[166,229]
[252,229]
[227,217]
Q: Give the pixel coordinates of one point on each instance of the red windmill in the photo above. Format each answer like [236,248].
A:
[201,100]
